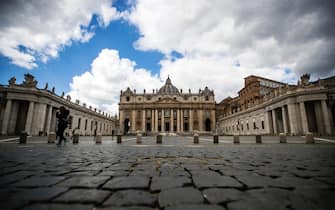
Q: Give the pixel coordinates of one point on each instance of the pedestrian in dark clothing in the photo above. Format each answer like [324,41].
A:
[62,116]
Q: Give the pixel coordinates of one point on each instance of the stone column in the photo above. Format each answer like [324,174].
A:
[191,120]
[326,119]
[143,120]
[331,120]
[6,117]
[178,120]
[268,124]
[156,120]
[274,121]
[41,115]
[201,123]
[284,119]
[213,121]
[29,117]
[121,118]
[182,120]
[303,117]
[13,118]
[171,120]
[292,118]
[133,120]
[162,121]
[152,120]
[47,129]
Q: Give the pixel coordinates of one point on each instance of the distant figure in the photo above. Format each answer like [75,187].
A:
[62,116]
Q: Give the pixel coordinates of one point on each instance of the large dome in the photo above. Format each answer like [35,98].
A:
[168,88]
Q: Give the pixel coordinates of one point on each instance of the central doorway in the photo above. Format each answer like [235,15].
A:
[208,124]
[167,126]
[126,125]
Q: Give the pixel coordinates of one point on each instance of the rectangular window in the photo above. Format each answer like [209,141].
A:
[186,113]
[85,124]
[262,124]
[167,113]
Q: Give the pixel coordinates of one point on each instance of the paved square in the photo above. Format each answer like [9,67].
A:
[174,175]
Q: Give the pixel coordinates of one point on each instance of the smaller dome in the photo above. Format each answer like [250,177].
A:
[168,88]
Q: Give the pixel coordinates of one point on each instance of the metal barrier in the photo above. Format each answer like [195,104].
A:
[215,139]
[119,139]
[236,139]
[23,137]
[282,138]
[196,138]
[51,138]
[159,139]
[258,139]
[139,138]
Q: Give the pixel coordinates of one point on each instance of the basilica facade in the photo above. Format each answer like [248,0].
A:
[168,110]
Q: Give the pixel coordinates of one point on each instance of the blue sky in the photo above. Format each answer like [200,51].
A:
[76,59]
[93,49]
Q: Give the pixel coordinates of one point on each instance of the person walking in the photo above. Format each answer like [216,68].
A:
[62,116]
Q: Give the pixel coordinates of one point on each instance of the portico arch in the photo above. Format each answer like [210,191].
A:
[126,125]
[208,124]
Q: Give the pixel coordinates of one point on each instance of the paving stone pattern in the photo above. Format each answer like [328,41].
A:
[183,176]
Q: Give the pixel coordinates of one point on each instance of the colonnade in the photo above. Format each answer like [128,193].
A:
[294,119]
[39,119]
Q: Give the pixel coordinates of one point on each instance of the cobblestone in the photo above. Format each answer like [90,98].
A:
[178,196]
[174,175]
[131,198]
[166,182]
[83,196]
[127,182]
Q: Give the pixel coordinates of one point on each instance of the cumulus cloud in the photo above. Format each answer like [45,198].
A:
[220,42]
[37,30]
[295,34]
[100,86]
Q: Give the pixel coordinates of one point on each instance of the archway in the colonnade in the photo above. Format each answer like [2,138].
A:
[208,124]
[314,122]
[21,116]
[126,125]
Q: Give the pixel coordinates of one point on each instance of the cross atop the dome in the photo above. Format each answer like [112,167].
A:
[168,80]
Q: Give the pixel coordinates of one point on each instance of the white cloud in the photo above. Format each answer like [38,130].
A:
[109,74]
[221,75]
[259,34]
[43,28]
[267,38]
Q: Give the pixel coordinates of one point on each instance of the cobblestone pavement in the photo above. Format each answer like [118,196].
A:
[174,175]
